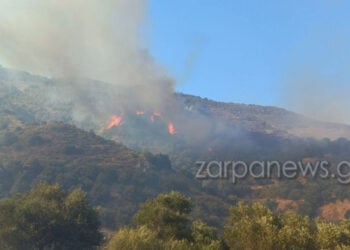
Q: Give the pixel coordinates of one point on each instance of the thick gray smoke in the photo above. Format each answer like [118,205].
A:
[84,39]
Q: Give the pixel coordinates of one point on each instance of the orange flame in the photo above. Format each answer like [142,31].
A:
[140,113]
[115,121]
[154,115]
[171,128]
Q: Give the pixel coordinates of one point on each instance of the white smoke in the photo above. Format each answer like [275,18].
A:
[79,39]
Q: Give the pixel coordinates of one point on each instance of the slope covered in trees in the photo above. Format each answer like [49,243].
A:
[115,178]
[111,173]
[118,179]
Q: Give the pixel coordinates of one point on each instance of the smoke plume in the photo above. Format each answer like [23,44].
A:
[84,39]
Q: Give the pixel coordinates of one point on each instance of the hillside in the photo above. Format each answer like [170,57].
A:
[41,99]
[44,124]
[116,178]
[266,119]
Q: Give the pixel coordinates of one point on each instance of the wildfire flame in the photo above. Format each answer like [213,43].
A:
[115,121]
[154,115]
[171,128]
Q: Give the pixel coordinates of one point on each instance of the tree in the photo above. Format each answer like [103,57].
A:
[332,236]
[204,237]
[164,223]
[255,227]
[134,239]
[168,215]
[251,227]
[296,232]
[143,238]
[48,218]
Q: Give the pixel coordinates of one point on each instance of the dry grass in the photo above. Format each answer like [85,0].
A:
[335,211]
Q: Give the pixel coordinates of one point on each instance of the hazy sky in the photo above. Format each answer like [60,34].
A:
[253,51]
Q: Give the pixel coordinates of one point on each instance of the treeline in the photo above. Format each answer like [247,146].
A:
[50,218]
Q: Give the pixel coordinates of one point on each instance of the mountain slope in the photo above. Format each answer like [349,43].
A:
[42,99]
[265,119]
[116,178]
[186,128]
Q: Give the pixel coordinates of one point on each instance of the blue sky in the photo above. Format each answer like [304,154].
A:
[247,50]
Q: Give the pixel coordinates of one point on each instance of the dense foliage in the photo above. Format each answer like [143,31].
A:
[256,227]
[48,218]
[165,223]
[115,178]
[247,227]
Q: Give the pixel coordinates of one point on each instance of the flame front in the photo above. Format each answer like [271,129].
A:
[171,128]
[154,115]
[115,121]
[140,112]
